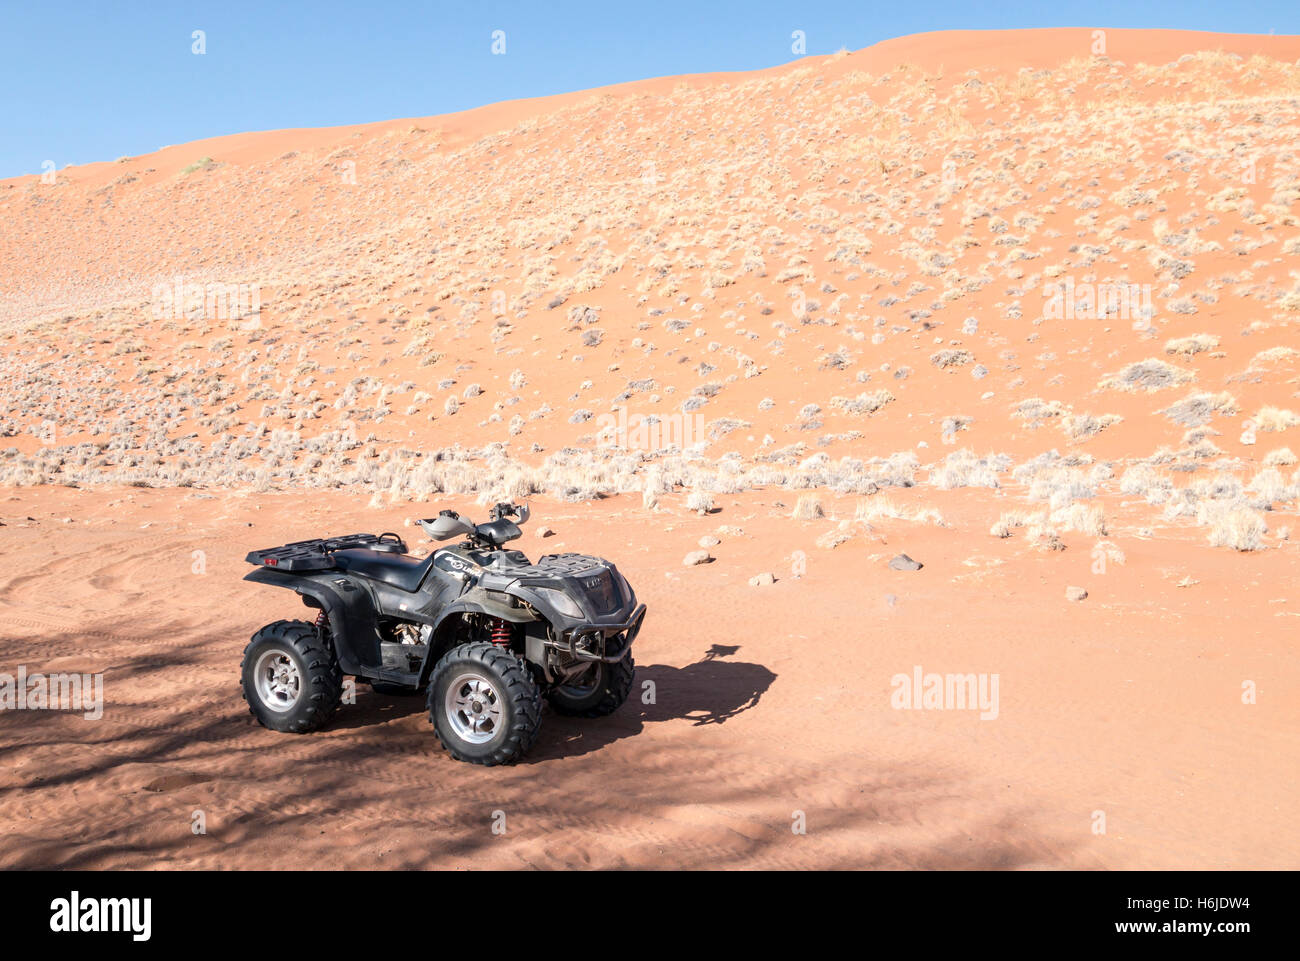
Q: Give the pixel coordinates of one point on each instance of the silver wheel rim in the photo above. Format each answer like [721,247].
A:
[278,681]
[473,708]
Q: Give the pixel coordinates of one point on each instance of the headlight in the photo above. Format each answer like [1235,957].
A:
[561,601]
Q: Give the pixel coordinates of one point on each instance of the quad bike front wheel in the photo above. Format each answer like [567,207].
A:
[291,680]
[601,690]
[484,705]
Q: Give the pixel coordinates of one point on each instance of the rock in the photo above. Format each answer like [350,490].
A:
[708,540]
[1075,594]
[833,539]
[544,531]
[904,563]
[695,558]
[761,580]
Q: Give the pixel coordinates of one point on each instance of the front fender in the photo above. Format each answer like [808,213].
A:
[476,600]
[492,603]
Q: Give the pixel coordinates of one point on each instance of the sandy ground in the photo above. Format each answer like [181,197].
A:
[769,701]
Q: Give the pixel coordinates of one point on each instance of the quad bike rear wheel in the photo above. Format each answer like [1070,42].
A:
[291,679]
[484,705]
[600,691]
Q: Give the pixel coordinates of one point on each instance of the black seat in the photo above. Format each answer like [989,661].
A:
[400,570]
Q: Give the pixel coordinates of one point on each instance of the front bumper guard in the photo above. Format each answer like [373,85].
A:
[591,642]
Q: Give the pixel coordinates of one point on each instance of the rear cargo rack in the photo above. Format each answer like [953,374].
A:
[317,554]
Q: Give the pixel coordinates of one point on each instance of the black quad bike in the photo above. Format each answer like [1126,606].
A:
[486,631]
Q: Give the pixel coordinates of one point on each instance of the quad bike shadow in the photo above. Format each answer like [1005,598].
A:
[373,707]
[713,690]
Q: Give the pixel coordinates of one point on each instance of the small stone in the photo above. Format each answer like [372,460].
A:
[1075,594]
[544,531]
[708,540]
[833,539]
[695,558]
[761,580]
[904,563]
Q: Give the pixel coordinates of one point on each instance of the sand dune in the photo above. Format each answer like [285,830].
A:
[1020,309]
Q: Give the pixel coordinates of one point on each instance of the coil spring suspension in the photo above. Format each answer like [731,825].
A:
[322,625]
[500,632]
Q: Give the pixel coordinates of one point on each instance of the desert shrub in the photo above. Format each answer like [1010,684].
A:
[1035,410]
[1080,426]
[963,469]
[1148,375]
[1275,419]
[1195,344]
[808,508]
[863,403]
[1240,528]
[1195,410]
[700,501]
[951,358]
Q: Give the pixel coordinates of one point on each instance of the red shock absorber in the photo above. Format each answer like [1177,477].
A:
[500,632]
[323,627]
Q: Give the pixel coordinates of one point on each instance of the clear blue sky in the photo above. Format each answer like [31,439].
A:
[88,81]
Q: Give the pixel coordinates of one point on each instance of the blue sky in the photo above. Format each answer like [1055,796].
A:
[88,81]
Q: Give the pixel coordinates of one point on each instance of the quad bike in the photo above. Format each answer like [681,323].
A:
[486,631]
